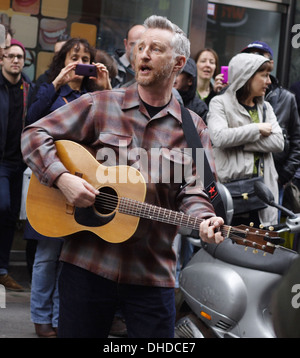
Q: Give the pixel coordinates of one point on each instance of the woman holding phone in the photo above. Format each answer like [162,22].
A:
[63,84]
[209,79]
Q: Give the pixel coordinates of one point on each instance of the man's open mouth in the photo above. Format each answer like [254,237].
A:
[145,69]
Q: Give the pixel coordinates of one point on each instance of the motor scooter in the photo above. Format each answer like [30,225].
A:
[228,287]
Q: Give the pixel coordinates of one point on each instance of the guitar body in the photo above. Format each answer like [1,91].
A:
[49,213]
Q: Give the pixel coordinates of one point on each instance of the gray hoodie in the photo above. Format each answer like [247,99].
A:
[236,137]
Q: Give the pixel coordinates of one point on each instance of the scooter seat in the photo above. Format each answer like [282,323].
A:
[278,262]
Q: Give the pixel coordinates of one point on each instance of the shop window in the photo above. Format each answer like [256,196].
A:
[38,23]
[232,28]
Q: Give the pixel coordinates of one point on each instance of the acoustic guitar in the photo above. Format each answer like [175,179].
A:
[118,208]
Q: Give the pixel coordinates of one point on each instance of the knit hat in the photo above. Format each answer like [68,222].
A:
[15,42]
[259,45]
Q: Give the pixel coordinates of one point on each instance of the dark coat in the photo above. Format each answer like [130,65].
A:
[4,107]
[285,107]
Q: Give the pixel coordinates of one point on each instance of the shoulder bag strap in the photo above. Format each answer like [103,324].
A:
[193,140]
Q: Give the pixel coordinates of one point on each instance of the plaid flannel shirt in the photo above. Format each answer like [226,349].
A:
[102,119]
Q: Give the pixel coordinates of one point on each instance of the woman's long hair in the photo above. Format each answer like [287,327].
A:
[58,62]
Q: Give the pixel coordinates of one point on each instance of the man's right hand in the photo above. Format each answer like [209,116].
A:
[77,191]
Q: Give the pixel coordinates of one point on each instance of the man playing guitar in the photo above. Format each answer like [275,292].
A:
[137,275]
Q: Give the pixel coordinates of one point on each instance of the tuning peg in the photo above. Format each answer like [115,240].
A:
[261,226]
[271,228]
[255,251]
[275,240]
[251,224]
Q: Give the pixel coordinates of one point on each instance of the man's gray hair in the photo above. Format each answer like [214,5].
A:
[180,42]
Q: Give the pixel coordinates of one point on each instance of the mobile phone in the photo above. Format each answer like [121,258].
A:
[224,70]
[86,70]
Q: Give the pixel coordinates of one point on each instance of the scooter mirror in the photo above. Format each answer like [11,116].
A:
[264,193]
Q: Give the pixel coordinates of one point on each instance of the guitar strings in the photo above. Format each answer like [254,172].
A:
[112,206]
[110,202]
[136,208]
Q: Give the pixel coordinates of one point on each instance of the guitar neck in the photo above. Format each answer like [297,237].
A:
[241,235]
[147,211]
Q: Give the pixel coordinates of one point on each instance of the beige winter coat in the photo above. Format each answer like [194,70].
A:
[236,138]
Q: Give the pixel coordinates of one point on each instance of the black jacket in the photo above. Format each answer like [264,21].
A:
[285,107]
[190,98]
[4,107]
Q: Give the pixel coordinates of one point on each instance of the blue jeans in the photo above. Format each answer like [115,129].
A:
[11,179]
[88,303]
[184,254]
[44,302]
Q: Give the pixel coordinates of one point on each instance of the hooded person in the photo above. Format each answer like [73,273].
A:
[186,85]
[285,108]
[243,126]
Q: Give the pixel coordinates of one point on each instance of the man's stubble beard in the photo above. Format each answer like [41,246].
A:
[163,73]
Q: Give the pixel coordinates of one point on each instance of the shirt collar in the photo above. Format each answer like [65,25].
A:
[132,99]
[124,60]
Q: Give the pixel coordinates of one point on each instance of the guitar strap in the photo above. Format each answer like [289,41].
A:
[193,140]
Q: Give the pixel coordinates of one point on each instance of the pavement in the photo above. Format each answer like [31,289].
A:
[15,311]
[15,317]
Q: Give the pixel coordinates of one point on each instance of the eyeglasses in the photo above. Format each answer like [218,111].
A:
[11,57]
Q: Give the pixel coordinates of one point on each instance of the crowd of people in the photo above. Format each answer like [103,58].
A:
[80,283]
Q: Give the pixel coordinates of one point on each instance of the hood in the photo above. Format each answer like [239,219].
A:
[242,67]
[191,69]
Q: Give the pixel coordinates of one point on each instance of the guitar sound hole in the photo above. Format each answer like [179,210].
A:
[106,201]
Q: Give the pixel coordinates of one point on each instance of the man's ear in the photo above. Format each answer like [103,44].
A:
[125,43]
[180,63]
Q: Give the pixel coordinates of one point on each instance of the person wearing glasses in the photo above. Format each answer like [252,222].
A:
[15,89]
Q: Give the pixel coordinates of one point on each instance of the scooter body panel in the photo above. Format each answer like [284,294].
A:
[235,298]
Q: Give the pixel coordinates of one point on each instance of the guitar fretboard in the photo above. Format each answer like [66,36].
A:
[156,213]
[148,211]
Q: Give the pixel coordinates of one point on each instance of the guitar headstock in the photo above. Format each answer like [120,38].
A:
[257,239]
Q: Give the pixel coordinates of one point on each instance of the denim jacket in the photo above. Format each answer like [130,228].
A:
[48,100]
